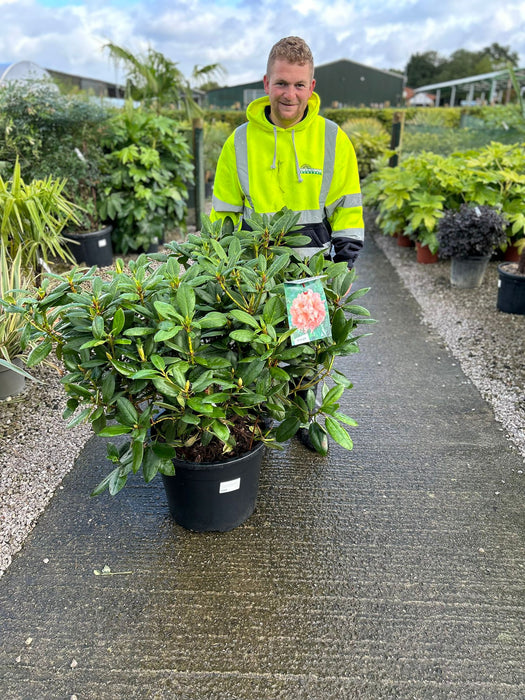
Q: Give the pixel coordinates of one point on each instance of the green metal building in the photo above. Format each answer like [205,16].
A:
[339,84]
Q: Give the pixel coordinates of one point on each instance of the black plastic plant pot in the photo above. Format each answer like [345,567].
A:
[93,247]
[511,291]
[216,496]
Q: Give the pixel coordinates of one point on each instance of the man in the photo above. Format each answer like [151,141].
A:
[288,155]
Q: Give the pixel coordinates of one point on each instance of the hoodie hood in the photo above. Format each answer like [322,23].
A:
[256,114]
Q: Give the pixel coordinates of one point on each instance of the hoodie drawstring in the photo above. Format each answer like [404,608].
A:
[297,168]
[274,147]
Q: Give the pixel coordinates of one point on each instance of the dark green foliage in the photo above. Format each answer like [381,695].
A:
[473,230]
[147,167]
[191,360]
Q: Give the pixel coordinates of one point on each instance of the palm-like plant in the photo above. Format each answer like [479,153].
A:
[154,79]
[32,217]
[14,284]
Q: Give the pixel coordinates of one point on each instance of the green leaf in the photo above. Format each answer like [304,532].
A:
[108,387]
[123,368]
[150,465]
[357,310]
[165,387]
[345,419]
[158,362]
[213,320]
[117,481]
[287,429]
[119,320]
[338,433]
[333,395]
[78,390]
[186,300]
[243,336]
[104,484]
[165,310]
[127,413]
[318,438]
[98,327]
[220,430]
[39,353]
[244,317]
[113,430]
[79,418]
[137,451]
[279,373]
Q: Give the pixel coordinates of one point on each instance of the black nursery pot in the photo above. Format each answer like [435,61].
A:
[216,496]
[511,291]
[92,248]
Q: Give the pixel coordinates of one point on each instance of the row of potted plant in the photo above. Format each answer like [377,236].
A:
[412,197]
[464,207]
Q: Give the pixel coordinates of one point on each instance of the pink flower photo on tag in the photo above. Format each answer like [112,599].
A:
[307,310]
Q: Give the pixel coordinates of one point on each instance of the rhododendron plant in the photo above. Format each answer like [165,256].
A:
[188,353]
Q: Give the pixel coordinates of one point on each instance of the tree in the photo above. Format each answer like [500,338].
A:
[429,67]
[154,80]
[422,68]
[463,63]
[501,56]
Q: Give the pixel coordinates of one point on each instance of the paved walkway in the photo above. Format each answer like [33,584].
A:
[393,571]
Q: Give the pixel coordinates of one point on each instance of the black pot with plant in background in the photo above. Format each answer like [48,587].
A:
[511,284]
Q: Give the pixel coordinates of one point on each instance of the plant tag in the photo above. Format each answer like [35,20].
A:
[307,310]
[102,243]
[478,211]
[227,486]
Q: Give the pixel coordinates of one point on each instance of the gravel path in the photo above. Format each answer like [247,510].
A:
[37,450]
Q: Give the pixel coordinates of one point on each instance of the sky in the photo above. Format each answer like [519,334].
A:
[69,35]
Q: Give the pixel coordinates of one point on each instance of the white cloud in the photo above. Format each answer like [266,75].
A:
[239,33]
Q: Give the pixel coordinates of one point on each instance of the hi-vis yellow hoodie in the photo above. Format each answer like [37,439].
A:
[310,168]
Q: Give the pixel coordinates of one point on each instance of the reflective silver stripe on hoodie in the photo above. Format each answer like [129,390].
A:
[241,159]
[349,201]
[357,234]
[219,205]
[330,137]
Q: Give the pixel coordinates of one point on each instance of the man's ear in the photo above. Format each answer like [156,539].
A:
[266,85]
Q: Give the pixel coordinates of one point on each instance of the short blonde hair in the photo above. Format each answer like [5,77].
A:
[292,49]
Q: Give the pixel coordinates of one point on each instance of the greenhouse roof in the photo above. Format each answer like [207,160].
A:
[481,78]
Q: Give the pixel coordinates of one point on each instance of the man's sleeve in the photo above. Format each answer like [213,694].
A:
[344,207]
[228,199]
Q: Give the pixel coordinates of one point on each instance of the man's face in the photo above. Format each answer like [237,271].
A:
[289,87]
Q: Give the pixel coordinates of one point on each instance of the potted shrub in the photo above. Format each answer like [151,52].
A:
[13,284]
[188,356]
[511,283]
[146,165]
[469,236]
[90,235]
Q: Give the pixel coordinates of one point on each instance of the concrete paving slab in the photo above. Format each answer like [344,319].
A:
[393,571]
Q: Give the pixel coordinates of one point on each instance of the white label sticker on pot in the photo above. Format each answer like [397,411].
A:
[227,486]
[102,243]
[499,283]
